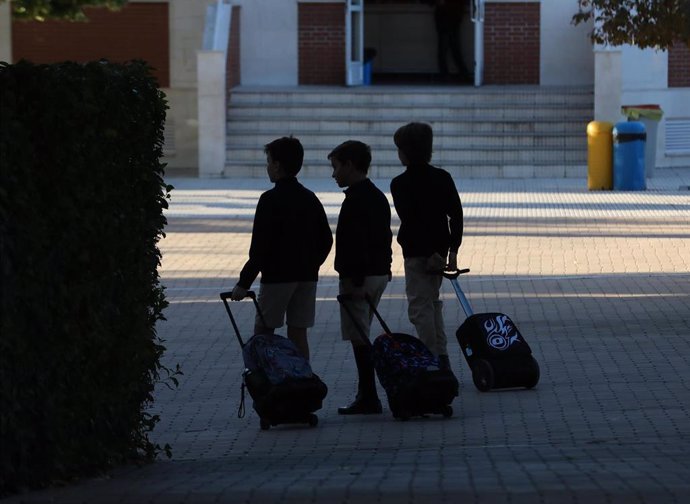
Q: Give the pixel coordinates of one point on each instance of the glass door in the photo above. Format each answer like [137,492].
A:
[354,43]
[478,20]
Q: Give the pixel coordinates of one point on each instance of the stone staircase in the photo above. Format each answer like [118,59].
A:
[507,131]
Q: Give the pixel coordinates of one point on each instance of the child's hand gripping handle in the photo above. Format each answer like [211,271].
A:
[453,277]
[224,296]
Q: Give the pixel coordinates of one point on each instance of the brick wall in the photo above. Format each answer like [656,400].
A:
[233,76]
[511,43]
[321,43]
[138,31]
[679,66]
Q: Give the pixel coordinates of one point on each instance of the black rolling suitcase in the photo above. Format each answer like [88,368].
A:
[283,387]
[409,373]
[496,352]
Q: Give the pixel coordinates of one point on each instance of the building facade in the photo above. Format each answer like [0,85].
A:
[291,43]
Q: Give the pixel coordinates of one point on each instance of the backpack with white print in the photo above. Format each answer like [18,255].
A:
[496,336]
[497,353]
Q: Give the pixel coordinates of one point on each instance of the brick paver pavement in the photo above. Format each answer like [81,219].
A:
[598,282]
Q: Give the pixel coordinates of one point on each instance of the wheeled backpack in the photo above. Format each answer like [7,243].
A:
[410,374]
[494,348]
[280,381]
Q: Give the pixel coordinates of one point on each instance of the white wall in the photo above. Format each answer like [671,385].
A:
[212,114]
[608,84]
[676,105]
[644,69]
[645,81]
[566,51]
[5,33]
[627,75]
[269,42]
[187,19]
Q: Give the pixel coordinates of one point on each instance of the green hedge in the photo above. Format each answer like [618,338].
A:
[81,213]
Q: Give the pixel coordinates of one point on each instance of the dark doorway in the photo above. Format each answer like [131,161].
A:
[401,34]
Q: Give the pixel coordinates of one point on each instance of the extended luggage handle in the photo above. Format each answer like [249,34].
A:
[453,274]
[250,294]
[342,298]
[453,277]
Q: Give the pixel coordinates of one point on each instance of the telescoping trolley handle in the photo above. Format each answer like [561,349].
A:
[453,277]
[250,294]
[343,298]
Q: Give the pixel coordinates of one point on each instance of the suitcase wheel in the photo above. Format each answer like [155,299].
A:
[447,411]
[313,420]
[533,375]
[265,423]
[483,375]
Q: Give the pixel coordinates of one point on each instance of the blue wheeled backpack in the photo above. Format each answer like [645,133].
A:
[410,374]
[280,380]
[276,356]
[399,358]
[408,371]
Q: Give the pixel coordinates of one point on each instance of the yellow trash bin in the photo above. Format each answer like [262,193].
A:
[599,155]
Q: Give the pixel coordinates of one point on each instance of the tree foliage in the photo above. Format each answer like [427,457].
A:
[643,23]
[40,10]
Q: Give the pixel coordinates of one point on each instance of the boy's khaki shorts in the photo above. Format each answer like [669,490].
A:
[359,308]
[296,300]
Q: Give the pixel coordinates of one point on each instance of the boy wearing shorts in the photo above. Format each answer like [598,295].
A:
[291,239]
[363,261]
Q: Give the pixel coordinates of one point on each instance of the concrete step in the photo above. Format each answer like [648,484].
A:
[500,132]
[276,127]
[411,113]
[442,156]
[426,96]
[387,171]
[378,142]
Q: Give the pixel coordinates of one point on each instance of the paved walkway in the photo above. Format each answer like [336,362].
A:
[599,283]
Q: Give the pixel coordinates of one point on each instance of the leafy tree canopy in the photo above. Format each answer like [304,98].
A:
[643,23]
[72,10]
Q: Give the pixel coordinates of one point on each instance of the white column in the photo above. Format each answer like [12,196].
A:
[5,32]
[607,85]
[212,109]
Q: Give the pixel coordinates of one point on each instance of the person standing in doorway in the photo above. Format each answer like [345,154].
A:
[430,233]
[448,15]
[363,257]
[291,239]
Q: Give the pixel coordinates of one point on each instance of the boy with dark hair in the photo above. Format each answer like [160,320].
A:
[291,239]
[363,259]
[430,233]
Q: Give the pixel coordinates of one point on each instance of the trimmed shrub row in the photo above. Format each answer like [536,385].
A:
[81,213]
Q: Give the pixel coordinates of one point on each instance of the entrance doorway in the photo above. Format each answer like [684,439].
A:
[401,44]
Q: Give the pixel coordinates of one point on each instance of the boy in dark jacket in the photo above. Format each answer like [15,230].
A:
[362,259]
[430,234]
[291,239]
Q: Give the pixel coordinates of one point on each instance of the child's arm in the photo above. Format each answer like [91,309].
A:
[455,222]
[325,235]
[260,244]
